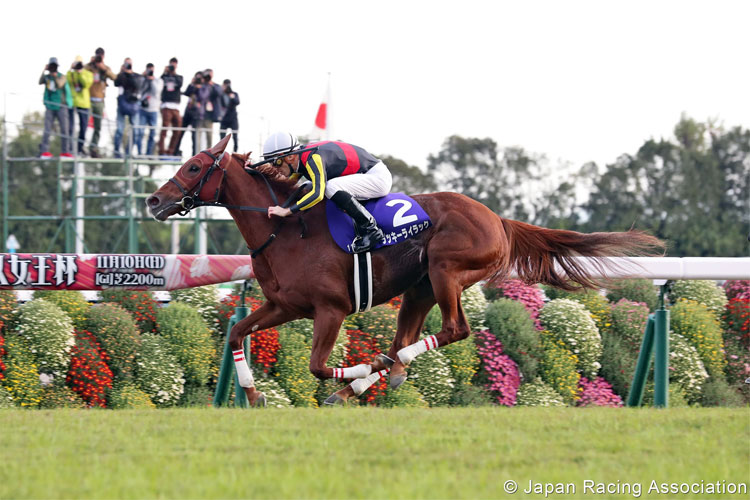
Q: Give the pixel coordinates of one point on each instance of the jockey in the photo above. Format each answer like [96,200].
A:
[339,171]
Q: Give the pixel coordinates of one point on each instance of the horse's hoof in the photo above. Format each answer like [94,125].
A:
[334,399]
[382,359]
[397,380]
[260,401]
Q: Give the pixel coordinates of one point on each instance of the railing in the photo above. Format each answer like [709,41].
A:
[169,272]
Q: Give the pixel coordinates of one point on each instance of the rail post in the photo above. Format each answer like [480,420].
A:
[227,370]
[661,353]
[635,397]
[656,341]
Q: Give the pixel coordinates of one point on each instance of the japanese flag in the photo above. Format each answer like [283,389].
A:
[321,128]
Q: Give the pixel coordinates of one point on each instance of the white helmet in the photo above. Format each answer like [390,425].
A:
[279,144]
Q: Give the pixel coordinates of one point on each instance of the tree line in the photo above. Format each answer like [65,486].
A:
[692,190]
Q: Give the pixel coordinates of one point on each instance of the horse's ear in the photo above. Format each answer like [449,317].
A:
[221,145]
[241,157]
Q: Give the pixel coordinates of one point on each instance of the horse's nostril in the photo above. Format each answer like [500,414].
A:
[152,201]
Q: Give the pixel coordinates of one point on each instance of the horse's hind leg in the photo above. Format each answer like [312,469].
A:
[447,286]
[417,302]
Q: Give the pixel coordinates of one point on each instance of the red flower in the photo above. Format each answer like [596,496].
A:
[362,348]
[89,374]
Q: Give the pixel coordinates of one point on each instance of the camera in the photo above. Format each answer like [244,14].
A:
[198,80]
[97,59]
[171,68]
[206,75]
[150,72]
[128,66]
[78,65]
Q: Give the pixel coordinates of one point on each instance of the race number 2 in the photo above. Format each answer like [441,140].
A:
[399,219]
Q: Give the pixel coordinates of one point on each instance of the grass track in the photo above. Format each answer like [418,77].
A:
[363,452]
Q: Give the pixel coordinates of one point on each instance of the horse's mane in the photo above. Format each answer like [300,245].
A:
[269,172]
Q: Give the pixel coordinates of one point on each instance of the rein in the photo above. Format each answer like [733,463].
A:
[190,202]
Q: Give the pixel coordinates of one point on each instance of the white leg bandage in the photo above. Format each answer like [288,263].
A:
[362,384]
[243,371]
[407,354]
[359,371]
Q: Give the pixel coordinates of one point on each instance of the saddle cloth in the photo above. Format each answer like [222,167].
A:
[398,215]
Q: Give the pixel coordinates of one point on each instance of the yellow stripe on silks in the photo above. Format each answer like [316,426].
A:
[317,172]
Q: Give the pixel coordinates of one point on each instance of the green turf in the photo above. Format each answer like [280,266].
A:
[364,452]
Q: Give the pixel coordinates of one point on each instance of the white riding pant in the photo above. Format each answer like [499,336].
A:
[375,183]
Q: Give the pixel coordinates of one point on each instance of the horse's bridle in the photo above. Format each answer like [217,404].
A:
[191,201]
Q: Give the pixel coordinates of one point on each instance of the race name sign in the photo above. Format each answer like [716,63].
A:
[126,272]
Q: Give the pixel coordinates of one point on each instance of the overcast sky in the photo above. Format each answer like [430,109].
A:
[577,81]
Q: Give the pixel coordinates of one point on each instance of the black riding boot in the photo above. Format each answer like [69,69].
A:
[367,230]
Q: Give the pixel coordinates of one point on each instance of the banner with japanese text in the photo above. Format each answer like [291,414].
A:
[43,271]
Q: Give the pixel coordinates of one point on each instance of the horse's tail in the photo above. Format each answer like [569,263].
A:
[540,255]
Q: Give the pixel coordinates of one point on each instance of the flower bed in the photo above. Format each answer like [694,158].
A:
[48,332]
[558,368]
[21,374]
[598,392]
[293,368]
[530,296]
[71,301]
[511,324]
[431,374]
[361,347]
[189,340]
[140,304]
[698,325]
[570,322]
[737,289]
[537,393]
[158,372]
[498,374]
[89,375]
[704,292]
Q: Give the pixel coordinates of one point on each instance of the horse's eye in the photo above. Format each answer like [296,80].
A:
[194,168]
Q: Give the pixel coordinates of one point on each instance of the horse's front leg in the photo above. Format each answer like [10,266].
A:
[266,316]
[327,325]
[326,329]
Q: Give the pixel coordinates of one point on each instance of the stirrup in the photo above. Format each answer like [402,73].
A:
[373,237]
[359,247]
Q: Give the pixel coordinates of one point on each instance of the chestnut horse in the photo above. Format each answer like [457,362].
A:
[304,274]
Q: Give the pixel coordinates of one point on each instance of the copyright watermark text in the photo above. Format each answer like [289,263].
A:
[635,489]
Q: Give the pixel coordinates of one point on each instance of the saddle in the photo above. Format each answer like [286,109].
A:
[398,215]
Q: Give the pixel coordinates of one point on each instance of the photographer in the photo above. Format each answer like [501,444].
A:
[230,100]
[149,109]
[210,98]
[195,112]
[170,107]
[56,98]
[128,102]
[101,73]
[80,80]
[214,106]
